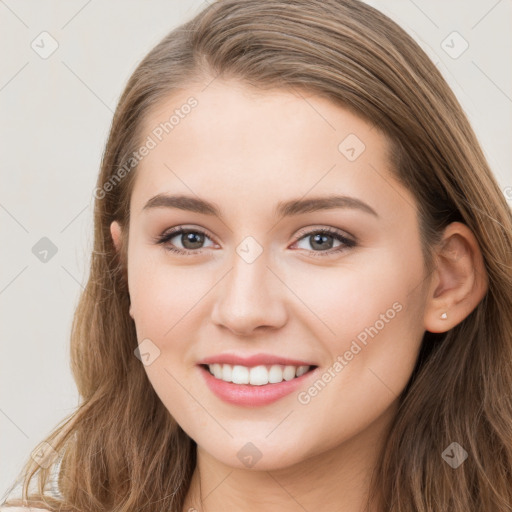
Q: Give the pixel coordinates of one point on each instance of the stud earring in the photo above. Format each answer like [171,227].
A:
[444,316]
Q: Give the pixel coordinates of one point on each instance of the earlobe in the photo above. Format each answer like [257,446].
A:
[460,281]
[115,231]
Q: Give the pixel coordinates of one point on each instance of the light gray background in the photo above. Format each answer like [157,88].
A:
[55,116]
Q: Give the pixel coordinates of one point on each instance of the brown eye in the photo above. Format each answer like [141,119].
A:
[321,241]
[190,239]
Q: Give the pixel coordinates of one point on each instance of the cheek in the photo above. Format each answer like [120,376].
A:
[347,299]
[161,293]
[369,317]
[373,353]
[163,298]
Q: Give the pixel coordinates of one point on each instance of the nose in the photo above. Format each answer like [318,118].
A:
[250,297]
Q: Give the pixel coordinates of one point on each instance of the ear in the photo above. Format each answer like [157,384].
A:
[116,232]
[459,282]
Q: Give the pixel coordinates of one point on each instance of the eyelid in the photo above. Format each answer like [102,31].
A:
[176,230]
[322,228]
[348,241]
[303,231]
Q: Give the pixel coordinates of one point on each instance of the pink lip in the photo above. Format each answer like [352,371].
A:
[249,395]
[254,360]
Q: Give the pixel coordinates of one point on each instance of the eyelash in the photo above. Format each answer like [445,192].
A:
[347,243]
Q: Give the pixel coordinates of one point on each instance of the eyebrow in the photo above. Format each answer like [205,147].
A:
[284,208]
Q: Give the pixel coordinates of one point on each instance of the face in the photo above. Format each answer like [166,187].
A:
[265,272]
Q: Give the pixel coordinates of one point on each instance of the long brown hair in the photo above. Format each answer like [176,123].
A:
[121,449]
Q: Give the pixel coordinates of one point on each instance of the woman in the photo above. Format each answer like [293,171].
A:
[300,289]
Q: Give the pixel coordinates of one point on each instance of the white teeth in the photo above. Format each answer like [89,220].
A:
[301,370]
[289,372]
[217,370]
[240,375]
[227,371]
[256,375]
[275,374]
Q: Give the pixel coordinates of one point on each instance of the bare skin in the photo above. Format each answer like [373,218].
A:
[246,151]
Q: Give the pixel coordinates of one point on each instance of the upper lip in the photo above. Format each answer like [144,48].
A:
[254,360]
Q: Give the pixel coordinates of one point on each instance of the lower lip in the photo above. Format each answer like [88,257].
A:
[250,395]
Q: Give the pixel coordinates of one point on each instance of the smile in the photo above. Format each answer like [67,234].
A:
[254,386]
[256,375]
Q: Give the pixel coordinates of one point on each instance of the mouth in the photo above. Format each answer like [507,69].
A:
[257,385]
[260,375]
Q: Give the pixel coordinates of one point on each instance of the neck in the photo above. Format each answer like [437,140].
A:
[339,478]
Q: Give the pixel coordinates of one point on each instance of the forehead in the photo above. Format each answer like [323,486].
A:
[239,144]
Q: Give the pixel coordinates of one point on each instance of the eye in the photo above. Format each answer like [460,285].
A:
[324,239]
[191,240]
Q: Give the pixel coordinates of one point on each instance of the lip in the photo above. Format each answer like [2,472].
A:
[250,395]
[254,360]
